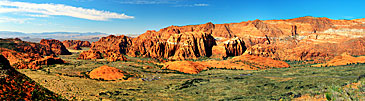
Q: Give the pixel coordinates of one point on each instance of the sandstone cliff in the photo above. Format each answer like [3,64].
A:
[188,45]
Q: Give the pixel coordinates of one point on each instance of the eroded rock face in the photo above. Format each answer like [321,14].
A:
[189,45]
[107,73]
[56,46]
[76,44]
[90,54]
[115,44]
[235,47]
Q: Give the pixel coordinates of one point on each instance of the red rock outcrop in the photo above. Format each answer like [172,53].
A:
[343,59]
[56,46]
[26,47]
[235,47]
[16,86]
[48,60]
[189,67]
[230,47]
[243,62]
[293,32]
[107,73]
[115,44]
[115,57]
[189,45]
[76,44]
[24,55]
[88,55]
[263,50]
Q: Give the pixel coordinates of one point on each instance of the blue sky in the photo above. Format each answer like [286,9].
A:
[137,16]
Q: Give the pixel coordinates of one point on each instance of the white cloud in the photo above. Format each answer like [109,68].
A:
[193,5]
[201,5]
[149,1]
[16,20]
[59,9]
[37,15]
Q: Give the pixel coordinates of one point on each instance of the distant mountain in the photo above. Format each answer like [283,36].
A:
[36,37]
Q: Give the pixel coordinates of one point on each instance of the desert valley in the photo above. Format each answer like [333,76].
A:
[306,58]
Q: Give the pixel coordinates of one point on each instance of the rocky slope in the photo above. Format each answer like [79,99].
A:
[17,86]
[76,44]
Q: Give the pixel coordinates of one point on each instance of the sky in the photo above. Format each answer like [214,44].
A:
[137,16]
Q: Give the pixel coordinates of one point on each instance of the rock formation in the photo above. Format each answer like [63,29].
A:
[234,47]
[180,46]
[107,73]
[115,57]
[115,44]
[186,66]
[263,50]
[343,59]
[17,86]
[230,47]
[243,62]
[25,47]
[76,44]
[48,60]
[56,46]
[88,55]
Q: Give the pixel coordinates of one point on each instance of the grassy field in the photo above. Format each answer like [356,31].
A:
[69,80]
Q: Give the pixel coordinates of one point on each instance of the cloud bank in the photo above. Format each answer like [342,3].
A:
[45,10]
